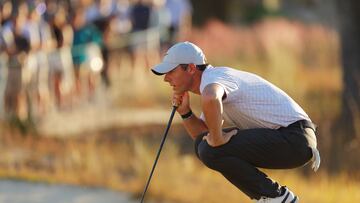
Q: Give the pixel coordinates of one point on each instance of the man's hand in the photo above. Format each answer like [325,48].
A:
[221,140]
[182,101]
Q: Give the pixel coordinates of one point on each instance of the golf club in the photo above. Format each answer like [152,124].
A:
[158,154]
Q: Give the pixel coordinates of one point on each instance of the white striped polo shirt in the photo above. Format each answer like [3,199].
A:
[251,101]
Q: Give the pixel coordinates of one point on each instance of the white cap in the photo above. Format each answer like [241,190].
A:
[180,53]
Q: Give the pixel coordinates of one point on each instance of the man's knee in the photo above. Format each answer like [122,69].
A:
[199,138]
[197,142]
[211,157]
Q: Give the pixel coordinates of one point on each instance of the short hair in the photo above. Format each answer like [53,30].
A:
[200,67]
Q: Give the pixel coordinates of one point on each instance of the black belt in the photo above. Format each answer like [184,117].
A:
[303,124]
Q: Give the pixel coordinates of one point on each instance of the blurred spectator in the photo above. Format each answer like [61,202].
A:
[6,9]
[100,13]
[16,46]
[140,15]
[60,60]
[181,15]
[139,39]
[5,13]
[122,22]
[160,20]
[85,52]
[38,32]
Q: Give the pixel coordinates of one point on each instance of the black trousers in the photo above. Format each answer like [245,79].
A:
[239,159]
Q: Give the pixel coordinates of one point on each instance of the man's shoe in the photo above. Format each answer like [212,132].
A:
[287,197]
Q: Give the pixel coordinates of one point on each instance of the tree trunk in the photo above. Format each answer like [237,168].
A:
[348,126]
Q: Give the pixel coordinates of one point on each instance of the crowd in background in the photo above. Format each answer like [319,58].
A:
[53,52]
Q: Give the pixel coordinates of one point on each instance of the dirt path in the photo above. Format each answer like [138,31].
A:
[25,192]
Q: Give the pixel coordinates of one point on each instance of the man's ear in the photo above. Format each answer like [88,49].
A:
[192,68]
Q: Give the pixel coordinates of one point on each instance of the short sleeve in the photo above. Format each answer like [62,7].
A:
[219,76]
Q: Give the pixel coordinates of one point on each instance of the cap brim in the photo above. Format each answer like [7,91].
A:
[163,68]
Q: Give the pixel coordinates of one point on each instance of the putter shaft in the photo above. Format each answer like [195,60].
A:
[158,154]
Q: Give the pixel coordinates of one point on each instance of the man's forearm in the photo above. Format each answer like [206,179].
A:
[212,108]
[194,126]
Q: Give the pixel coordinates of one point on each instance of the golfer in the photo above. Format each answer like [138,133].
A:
[271,130]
